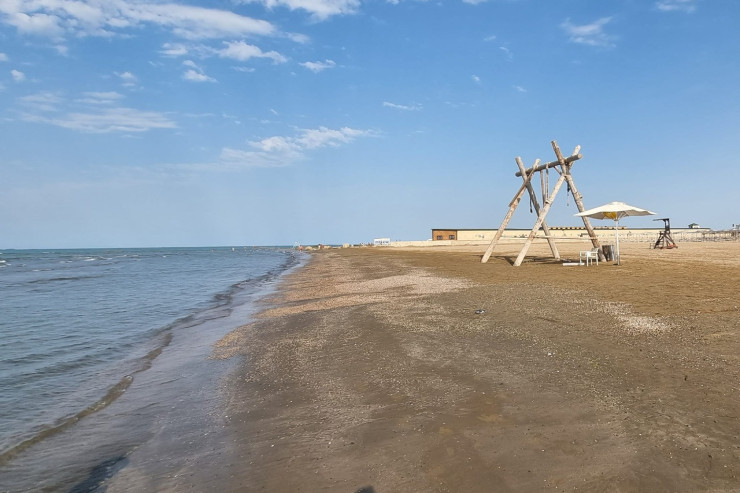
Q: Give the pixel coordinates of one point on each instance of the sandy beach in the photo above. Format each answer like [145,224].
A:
[407,370]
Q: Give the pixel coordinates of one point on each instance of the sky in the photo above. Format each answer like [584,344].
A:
[127,123]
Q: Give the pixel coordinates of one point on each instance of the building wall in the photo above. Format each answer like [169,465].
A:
[605,233]
[444,234]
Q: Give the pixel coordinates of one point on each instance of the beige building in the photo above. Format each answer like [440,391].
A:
[602,232]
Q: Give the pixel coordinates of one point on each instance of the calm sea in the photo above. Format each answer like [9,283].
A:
[105,352]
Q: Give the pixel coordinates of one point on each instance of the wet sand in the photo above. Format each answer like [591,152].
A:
[374,370]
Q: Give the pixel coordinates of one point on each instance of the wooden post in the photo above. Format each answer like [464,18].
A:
[545,228]
[512,207]
[540,219]
[578,198]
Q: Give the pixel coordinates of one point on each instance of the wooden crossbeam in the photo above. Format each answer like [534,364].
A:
[568,160]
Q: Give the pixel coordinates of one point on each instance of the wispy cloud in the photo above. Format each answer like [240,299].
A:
[519,89]
[196,76]
[317,67]
[589,34]
[3,57]
[98,98]
[233,50]
[127,78]
[278,151]
[107,121]
[174,49]
[58,19]
[507,52]
[687,6]
[404,107]
[194,73]
[476,79]
[42,101]
[241,51]
[17,75]
[93,112]
[318,9]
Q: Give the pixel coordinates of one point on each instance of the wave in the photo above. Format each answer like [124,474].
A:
[220,305]
[110,396]
[62,278]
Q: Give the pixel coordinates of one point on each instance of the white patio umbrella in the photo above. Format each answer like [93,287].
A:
[615,211]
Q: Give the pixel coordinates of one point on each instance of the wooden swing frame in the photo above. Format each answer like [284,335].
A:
[563,166]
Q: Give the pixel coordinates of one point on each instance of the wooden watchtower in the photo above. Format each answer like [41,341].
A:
[664,237]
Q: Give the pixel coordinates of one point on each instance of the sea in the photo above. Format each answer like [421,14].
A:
[104,357]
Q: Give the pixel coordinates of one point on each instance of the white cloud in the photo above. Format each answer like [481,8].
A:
[198,22]
[279,151]
[490,38]
[107,121]
[234,50]
[58,18]
[297,37]
[317,67]
[196,76]
[98,98]
[319,9]
[42,101]
[17,75]
[195,73]
[413,107]
[173,49]
[589,34]
[474,2]
[94,112]
[519,89]
[322,137]
[127,78]
[687,6]
[239,50]
[3,57]
[506,52]
[35,23]
[475,78]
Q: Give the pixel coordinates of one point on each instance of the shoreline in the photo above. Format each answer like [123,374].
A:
[161,424]
[370,370]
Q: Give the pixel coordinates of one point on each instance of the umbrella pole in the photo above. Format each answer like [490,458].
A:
[616,234]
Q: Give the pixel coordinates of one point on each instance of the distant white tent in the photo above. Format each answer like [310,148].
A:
[615,211]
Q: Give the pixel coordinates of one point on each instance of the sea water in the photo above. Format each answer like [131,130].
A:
[106,352]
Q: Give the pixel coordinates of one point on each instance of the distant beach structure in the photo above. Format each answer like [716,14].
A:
[570,232]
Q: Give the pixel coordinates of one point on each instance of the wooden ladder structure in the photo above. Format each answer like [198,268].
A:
[562,166]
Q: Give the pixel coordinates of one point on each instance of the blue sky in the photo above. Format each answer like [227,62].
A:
[256,122]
